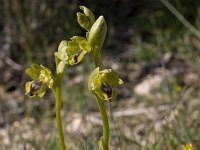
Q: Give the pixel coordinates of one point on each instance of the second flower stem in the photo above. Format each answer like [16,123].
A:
[58,114]
[104,117]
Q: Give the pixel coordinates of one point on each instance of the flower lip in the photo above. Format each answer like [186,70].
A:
[106,88]
[35,86]
[76,55]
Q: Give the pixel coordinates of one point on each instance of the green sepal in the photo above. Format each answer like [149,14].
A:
[34,71]
[111,76]
[87,19]
[92,83]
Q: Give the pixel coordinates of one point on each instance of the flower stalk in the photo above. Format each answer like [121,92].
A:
[104,141]
[101,82]
[58,111]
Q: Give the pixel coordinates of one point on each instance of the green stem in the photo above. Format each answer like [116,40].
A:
[58,109]
[105,123]
[97,59]
[104,117]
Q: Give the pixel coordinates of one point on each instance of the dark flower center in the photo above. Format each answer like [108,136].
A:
[106,88]
[35,85]
[76,55]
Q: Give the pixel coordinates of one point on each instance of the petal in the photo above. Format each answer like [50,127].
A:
[46,76]
[91,81]
[61,56]
[113,78]
[27,87]
[62,46]
[41,92]
[61,67]
[31,73]
[62,51]
[102,95]
[82,43]
[36,66]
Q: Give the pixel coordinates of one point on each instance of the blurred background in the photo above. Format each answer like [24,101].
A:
[153,47]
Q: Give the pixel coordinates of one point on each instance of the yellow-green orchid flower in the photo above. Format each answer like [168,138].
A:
[76,49]
[42,78]
[102,83]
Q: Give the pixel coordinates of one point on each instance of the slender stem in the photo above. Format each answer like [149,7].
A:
[97,59]
[104,117]
[58,109]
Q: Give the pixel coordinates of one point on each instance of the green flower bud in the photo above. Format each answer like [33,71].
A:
[87,19]
[76,49]
[42,78]
[98,32]
[62,53]
[61,57]
[102,83]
